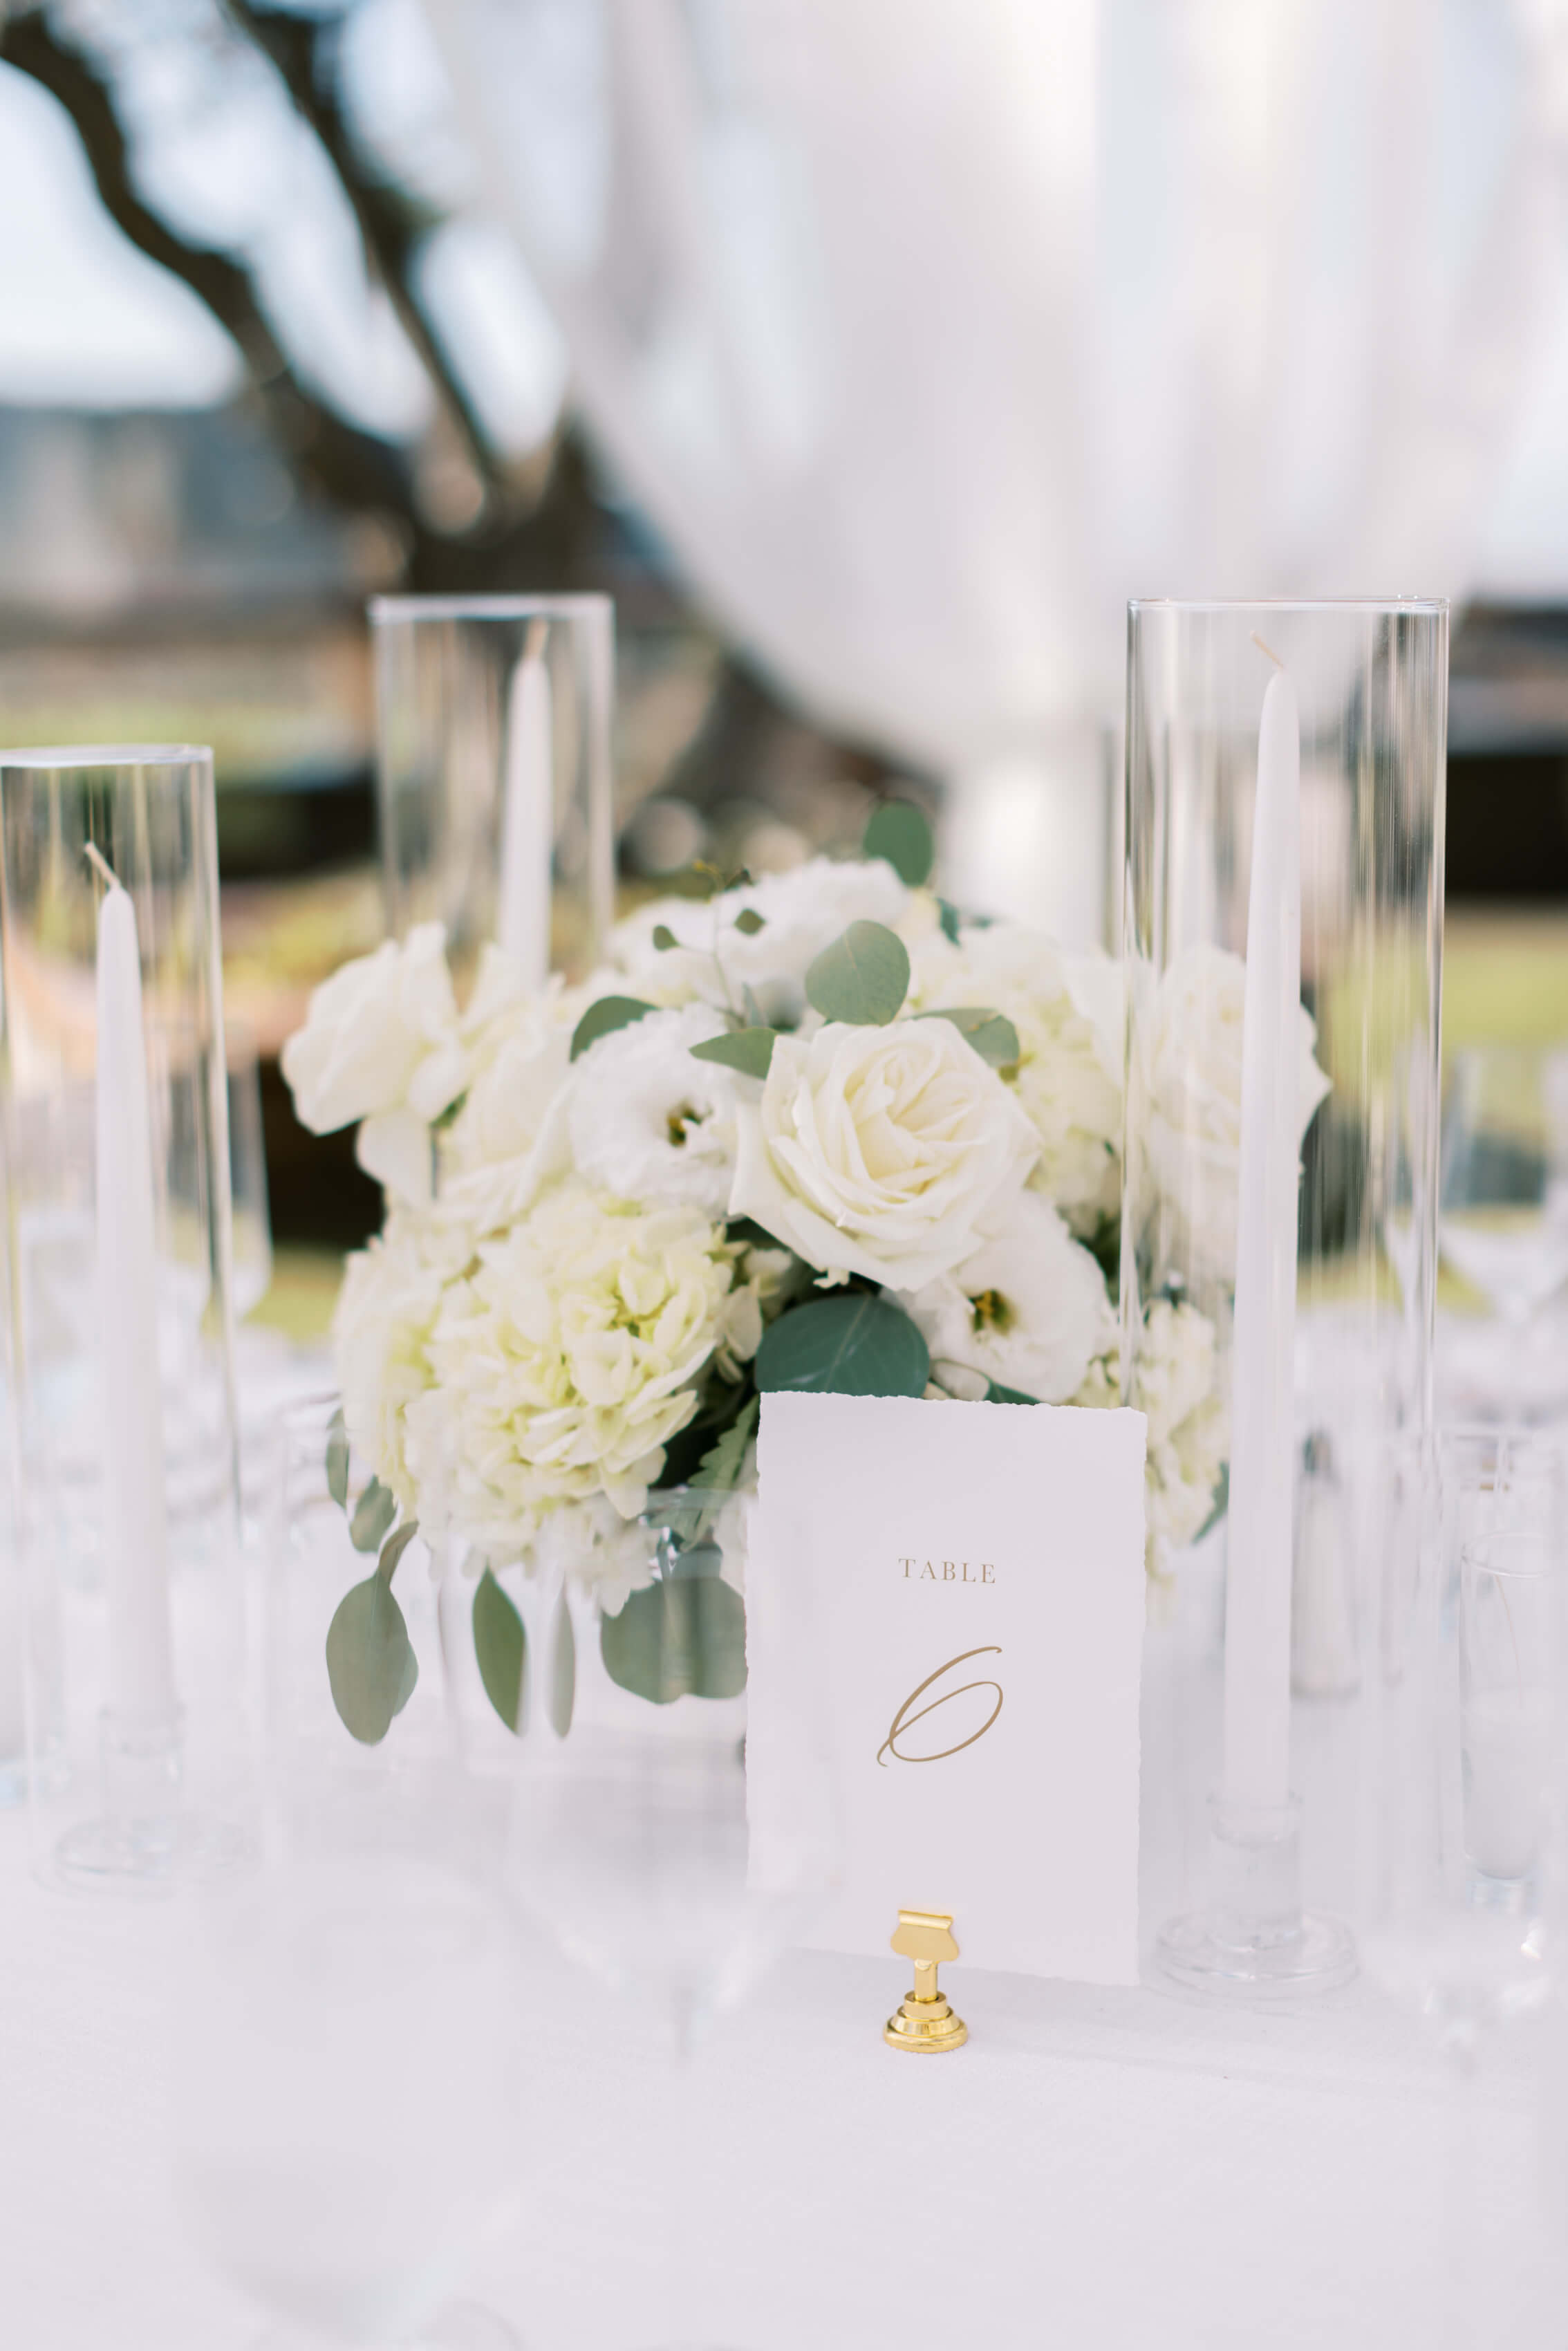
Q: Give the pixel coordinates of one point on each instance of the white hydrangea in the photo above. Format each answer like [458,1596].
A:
[564,1360]
[382,1326]
[1068,1080]
[1027,1310]
[1177,1386]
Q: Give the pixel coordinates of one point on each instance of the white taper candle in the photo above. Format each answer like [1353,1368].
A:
[1262,1442]
[527,823]
[140,1680]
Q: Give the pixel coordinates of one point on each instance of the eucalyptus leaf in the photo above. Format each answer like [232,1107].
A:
[373,1514]
[900,831]
[751,1050]
[602,1019]
[749,921]
[681,1638]
[338,1460]
[1220,1505]
[854,1344]
[997,1394]
[394,1549]
[947,920]
[562,1669]
[501,1647]
[371,1663]
[863,977]
[664,937]
[992,1034]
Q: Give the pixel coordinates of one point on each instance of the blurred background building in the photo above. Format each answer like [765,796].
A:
[871,354]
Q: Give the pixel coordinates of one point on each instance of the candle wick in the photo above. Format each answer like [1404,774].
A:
[96,857]
[1262,648]
[534,643]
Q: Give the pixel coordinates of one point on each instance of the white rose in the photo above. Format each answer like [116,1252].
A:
[648,1120]
[1027,1311]
[1188,1074]
[801,913]
[1068,1077]
[886,1152]
[381,1044]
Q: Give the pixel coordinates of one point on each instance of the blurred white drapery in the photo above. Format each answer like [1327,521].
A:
[927,333]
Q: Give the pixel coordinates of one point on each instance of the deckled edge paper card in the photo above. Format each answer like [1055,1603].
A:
[945,1611]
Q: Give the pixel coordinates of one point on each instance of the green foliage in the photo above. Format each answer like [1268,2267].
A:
[992,1035]
[899,831]
[562,1669]
[749,921]
[863,977]
[664,937]
[748,1049]
[501,1646]
[997,1394]
[338,1460]
[601,1019]
[948,918]
[373,1514]
[721,1465]
[371,1663]
[394,1549]
[681,1637]
[854,1344]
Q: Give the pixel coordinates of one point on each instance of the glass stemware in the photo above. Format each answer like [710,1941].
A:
[1504,1214]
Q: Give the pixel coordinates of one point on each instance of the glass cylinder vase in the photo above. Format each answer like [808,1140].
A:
[116,1170]
[1283,947]
[493,728]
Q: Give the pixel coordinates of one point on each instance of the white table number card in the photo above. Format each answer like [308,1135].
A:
[973,1577]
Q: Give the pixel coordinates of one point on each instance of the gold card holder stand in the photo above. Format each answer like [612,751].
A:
[924,2021]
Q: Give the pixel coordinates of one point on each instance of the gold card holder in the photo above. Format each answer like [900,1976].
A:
[924,2021]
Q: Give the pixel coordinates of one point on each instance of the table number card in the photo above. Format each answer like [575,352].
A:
[944,1609]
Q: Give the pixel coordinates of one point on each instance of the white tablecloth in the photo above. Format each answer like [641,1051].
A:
[1096,2169]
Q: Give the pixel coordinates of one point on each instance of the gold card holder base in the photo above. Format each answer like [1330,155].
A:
[924,2021]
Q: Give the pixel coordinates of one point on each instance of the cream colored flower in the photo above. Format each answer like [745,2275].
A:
[648,1120]
[1027,1311]
[564,1360]
[1068,1077]
[886,1152]
[381,1045]
[382,1326]
[1187,1075]
[1176,1385]
[800,914]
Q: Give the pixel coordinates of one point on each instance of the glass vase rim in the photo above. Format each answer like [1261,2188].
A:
[573,605]
[35,756]
[1429,607]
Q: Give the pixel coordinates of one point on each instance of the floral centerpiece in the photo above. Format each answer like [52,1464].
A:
[818,1131]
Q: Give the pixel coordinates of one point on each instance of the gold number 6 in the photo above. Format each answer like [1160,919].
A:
[904,1721]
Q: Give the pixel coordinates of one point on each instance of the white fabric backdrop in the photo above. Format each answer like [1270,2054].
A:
[928,334]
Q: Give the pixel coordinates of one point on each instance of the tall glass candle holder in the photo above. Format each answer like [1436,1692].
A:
[1282,945]
[116,1171]
[493,723]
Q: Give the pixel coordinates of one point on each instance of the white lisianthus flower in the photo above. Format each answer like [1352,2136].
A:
[801,913]
[381,1045]
[564,1360]
[1188,1075]
[1027,1311]
[887,1152]
[649,1121]
[1068,1077]
[386,1310]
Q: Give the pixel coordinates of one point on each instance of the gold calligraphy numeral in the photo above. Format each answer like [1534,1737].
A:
[904,1721]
